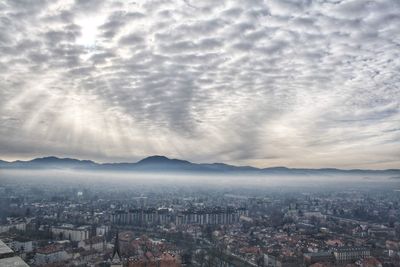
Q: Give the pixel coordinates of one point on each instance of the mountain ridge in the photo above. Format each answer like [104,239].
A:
[158,163]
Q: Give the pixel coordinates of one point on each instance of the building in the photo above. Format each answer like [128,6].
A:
[370,262]
[50,254]
[272,261]
[21,245]
[162,216]
[116,260]
[7,258]
[350,254]
[322,256]
[102,230]
[13,262]
[149,260]
[70,232]
[95,243]
[210,216]
[5,251]
[17,224]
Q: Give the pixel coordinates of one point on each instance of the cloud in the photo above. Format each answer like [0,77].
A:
[131,39]
[308,83]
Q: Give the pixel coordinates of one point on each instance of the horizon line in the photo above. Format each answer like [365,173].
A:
[259,168]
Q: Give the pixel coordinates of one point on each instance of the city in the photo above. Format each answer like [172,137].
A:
[106,223]
[199,133]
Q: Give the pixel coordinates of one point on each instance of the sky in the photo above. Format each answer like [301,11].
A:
[297,83]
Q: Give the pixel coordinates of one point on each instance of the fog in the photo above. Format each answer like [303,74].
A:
[126,180]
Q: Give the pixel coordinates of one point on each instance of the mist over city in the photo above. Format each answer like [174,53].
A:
[169,212]
[210,133]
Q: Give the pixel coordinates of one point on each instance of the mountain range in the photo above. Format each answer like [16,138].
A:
[164,164]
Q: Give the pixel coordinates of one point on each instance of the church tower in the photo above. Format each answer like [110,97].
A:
[116,260]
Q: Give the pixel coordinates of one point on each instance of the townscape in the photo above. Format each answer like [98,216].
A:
[109,224]
[199,133]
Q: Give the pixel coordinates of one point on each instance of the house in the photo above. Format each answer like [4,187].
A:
[96,243]
[50,254]
[21,245]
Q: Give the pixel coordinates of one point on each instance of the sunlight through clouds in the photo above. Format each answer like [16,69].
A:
[266,83]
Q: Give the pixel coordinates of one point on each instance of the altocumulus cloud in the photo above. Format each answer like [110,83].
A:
[306,83]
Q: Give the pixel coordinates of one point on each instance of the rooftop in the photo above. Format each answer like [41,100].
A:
[13,262]
[350,249]
[5,251]
[49,249]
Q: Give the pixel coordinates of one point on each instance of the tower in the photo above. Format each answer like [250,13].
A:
[116,260]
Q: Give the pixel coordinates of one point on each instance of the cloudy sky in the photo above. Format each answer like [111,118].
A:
[300,83]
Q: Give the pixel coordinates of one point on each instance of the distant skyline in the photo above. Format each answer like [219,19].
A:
[295,83]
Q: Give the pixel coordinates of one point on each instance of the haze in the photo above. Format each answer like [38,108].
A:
[132,180]
[261,83]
